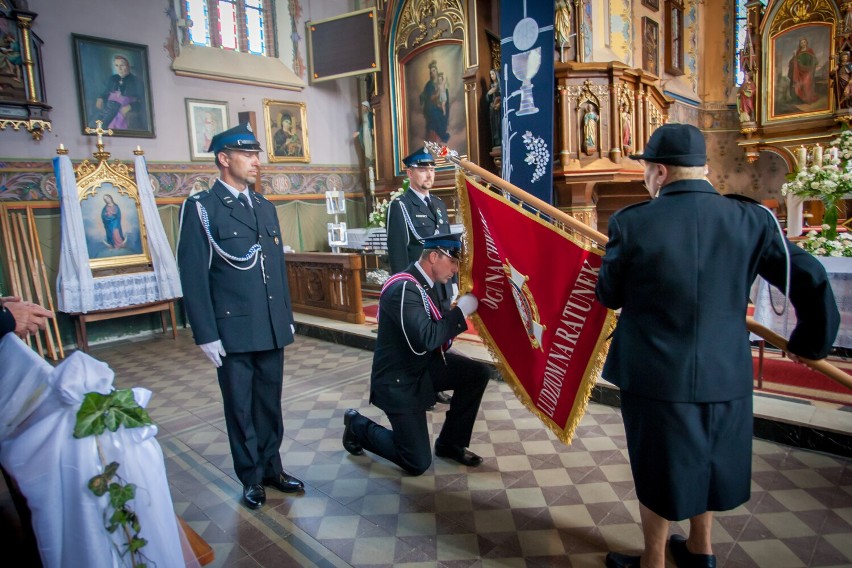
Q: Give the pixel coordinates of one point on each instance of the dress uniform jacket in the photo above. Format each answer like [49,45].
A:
[408,346]
[226,303]
[405,247]
[680,267]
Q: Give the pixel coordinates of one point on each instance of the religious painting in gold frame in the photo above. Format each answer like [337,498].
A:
[286,131]
[431,104]
[798,72]
[113,223]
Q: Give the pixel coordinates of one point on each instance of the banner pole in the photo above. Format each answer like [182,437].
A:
[534,201]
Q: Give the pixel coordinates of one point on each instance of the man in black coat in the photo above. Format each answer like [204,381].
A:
[411,363]
[414,216]
[24,318]
[237,298]
[680,267]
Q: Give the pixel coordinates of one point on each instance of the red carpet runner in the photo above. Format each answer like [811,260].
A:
[782,376]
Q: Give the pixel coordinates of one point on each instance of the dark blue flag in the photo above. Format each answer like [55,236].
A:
[526,30]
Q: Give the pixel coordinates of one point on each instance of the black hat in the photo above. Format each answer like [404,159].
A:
[419,158]
[449,244]
[675,145]
[239,137]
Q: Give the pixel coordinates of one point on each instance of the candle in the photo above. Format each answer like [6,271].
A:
[802,157]
[834,153]
[61,146]
[818,155]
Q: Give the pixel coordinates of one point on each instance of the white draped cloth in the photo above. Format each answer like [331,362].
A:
[75,287]
[77,290]
[162,258]
[38,408]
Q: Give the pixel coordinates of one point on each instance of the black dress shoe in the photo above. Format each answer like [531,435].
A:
[350,442]
[285,483]
[616,560]
[461,455]
[685,559]
[254,496]
[443,397]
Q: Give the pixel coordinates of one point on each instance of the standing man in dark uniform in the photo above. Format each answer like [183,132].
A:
[231,262]
[680,267]
[414,216]
[411,363]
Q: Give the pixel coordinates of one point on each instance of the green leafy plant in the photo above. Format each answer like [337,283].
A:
[97,414]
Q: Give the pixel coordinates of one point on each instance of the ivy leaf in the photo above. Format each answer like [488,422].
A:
[90,416]
[135,544]
[100,412]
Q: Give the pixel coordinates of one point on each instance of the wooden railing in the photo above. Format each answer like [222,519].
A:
[326,285]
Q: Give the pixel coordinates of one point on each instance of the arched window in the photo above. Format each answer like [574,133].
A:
[740,26]
[237,25]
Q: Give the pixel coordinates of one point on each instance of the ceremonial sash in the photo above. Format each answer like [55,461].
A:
[430,307]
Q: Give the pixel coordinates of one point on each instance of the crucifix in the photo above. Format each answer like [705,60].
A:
[100,132]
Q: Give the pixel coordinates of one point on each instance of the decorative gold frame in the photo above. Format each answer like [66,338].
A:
[91,179]
[335,24]
[273,109]
[810,31]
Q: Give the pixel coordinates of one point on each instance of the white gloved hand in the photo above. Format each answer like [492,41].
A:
[214,351]
[292,329]
[468,304]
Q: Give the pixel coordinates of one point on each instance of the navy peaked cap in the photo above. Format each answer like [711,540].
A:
[239,137]
[419,157]
[675,145]
[449,244]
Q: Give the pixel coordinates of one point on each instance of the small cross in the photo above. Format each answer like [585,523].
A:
[100,132]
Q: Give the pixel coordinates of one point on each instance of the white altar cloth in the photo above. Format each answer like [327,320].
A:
[764,297]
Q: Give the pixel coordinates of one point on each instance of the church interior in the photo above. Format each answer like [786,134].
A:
[332,91]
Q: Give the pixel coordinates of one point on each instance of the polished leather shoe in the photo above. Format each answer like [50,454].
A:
[350,442]
[285,483]
[443,397]
[461,455]
[616,560]
[254,496]
[685,559]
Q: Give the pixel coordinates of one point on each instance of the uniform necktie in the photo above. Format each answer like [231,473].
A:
[244,200]
[431,206]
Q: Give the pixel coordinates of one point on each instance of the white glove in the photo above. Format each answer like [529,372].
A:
[214,351]
[468,304]
[292,329]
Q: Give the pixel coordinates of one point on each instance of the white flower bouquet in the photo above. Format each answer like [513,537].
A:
[379,216]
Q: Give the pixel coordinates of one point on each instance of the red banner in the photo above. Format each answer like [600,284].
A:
[537,309]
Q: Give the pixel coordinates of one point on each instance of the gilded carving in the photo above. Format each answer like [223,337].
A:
[794,12]
[422,18]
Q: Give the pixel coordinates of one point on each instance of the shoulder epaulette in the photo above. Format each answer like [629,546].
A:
[632,205]
[201,194]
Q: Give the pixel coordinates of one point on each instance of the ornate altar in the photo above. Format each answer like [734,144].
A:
[795,95]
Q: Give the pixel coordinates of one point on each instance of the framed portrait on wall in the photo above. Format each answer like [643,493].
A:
[799,83]
[650,45]
[652,4]
[204,119]
[286,131]
[113,86]
[431,101]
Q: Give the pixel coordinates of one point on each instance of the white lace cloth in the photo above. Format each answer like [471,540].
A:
[52,468]
[119,291]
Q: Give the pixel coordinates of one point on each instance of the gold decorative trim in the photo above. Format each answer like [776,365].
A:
[423,18]
[795,12]
[34,126]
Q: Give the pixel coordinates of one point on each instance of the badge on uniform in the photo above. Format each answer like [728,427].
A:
[276,241]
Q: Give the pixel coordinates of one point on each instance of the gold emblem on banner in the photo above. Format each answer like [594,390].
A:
[525,302]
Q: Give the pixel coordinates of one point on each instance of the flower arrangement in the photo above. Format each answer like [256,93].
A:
[379,216]
[826,179]
[819,245]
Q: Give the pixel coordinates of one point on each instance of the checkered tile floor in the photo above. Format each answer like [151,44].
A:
[533,503]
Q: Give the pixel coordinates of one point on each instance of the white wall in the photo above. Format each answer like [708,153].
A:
[331,106]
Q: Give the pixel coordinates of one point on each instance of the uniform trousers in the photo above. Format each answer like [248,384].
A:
[251,385]
[407,442]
